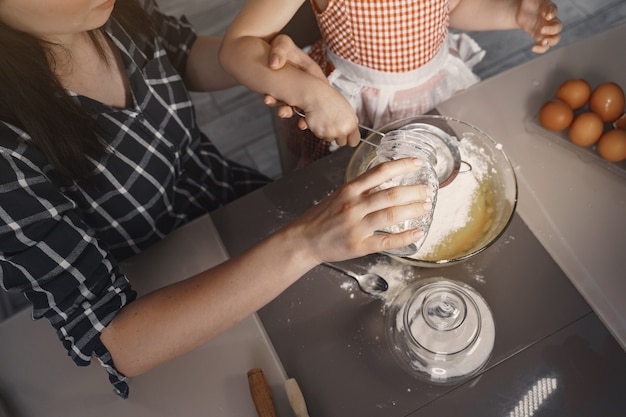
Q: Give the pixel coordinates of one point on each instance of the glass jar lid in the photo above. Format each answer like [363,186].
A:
[440,330]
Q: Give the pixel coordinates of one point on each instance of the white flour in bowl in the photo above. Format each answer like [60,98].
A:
[462,212]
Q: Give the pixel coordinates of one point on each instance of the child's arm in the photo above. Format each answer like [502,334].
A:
[538,18]
[245,54]
[204,72]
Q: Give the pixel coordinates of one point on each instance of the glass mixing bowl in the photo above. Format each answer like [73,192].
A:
[474,208]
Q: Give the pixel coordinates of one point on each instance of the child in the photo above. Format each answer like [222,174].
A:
[389,59]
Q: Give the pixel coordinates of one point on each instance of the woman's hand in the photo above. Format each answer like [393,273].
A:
[285,52]
[331,117]
[342,226]
[539,19]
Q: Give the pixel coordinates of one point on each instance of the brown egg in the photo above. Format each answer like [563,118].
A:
[608,101]
[586,129]
[555,115]
[612,145]
[574,93]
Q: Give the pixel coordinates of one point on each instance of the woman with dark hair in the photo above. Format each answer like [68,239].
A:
[101,156]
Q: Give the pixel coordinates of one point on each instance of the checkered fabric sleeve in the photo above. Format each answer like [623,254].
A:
[385,35]
[49,253]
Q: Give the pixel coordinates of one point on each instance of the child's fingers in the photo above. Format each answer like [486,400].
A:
[539,49]
[550,11]
[354,138]
[550,32]
[545,44]
[553,27]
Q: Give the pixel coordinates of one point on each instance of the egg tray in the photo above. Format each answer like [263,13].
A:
[588,154]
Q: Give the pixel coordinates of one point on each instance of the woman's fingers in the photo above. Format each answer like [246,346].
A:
[382,173]
[284,51]
[399,211]
[344,225]
[384,242]
[385,207]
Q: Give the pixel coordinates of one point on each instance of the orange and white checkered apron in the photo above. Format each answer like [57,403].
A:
[393,58]
[384,35]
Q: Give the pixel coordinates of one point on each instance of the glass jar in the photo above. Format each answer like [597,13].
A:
[440,330]
[398,144]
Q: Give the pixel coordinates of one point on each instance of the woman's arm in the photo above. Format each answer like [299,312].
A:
[245,54]
[203,70]
[176,319]
[538,18]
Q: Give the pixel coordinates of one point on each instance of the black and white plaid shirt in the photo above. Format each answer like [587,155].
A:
[60,241]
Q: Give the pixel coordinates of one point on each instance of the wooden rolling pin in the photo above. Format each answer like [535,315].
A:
[261,393]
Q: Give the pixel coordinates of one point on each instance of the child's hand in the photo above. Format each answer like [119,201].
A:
[539,19]
[330,116]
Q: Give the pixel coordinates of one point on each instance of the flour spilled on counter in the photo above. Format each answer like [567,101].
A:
[476,273]
[398,275]
[349,286]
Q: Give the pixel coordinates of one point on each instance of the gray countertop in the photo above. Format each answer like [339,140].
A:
[330,336]
[553,281]
[573,202]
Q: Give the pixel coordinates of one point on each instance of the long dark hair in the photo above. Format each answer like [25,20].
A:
[32,98]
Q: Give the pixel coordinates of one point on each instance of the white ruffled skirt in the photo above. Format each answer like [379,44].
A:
[383,97]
